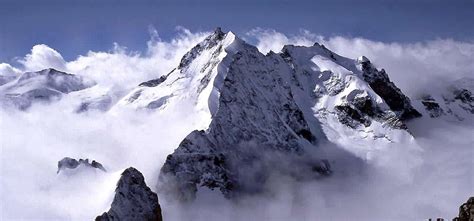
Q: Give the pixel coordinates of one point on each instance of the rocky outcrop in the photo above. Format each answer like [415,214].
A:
[133,200]
[264,114]
[351,91]
[70,163]
[392,95]
[432,107]
[154,82]
[462,94]
[466,211]
[256,117]
[456,101]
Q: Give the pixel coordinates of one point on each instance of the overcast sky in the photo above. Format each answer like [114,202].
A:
[77,26]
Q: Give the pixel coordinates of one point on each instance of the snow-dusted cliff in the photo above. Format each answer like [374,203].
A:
[235,120]
[455,102]
[259,113]
[255,114]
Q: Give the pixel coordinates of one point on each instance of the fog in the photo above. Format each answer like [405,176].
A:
[414,67]
[427,177]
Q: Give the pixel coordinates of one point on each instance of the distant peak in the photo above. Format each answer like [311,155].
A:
[218,31]
[316,44]
[51,71]
[214,39]
[48,70]
[363,59]
[218,34]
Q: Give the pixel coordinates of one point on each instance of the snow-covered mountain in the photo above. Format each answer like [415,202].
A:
[251,106]
[253,114]
[43,86]
[49,86]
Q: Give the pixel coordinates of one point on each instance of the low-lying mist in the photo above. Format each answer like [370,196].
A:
[426,178]
[438,180]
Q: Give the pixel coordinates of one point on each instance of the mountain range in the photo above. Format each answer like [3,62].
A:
[256,114]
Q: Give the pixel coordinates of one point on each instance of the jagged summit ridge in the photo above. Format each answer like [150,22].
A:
[279,104]
[197,79]
[257,116]
[209,42]
[246,106]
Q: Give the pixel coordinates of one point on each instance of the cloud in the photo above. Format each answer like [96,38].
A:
[123,68]
[414,67]
[421,184]
[42,57]
[33,142]
[7,70]
[271,40]
[118,67]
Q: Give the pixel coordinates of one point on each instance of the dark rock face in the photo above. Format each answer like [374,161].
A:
[133,200]
[209,42]
[466,98]
[466,211]
[454,101]
[70,163]
[358,107]
[432,107]
[154,82]
[350,116]
[257,117]
[265,114]
[393,96]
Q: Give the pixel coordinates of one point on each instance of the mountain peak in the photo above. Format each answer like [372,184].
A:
[363,59]
[218,31]
[133,200]
[209,42]
[45,85]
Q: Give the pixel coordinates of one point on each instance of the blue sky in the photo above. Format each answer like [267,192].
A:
[75,26]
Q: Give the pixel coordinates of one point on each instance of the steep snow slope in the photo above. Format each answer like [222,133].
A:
[258,121]
[253,114]
[195,81]
[258,114]
[357,105]
[233,89]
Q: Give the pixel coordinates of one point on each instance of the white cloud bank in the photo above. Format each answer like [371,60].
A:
[414,67]
[118,67]
[32,142]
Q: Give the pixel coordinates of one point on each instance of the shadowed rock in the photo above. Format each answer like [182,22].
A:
[70,163]
[133,200]
[466,211]
[393,96]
